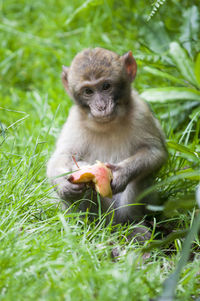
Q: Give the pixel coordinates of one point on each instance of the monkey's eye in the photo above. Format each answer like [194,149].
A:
[88,91]
[106,86]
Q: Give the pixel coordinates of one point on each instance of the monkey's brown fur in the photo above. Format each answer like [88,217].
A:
[109,123]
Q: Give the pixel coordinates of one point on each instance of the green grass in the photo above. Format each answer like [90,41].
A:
[46,254]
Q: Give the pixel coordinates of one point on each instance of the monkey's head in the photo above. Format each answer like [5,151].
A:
[99,81]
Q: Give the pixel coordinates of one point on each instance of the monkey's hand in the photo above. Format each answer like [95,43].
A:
[69,191]
[120,179]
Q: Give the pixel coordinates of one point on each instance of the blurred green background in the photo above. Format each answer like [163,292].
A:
[37,258]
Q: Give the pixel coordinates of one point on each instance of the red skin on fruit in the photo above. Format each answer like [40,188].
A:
[99,174]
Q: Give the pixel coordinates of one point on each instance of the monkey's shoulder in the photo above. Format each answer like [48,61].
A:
[72,132]
[140,106]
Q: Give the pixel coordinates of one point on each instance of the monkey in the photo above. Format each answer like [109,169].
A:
[110,123]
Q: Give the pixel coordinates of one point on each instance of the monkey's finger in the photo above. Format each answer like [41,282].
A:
[76,191]
[111,166]
[116,187]
[78,186]
[113,186]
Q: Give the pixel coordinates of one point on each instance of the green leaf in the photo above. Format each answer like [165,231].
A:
[85,6]
[195,114]
[157,40]
[180,111]
[188,170]
[197,68]
[198,195]
[2,132]
[164,75]
[183,63]
[156,6]
[173,207]
[170,94]
[164,242]
[171,282]
[184,150]
[190,27]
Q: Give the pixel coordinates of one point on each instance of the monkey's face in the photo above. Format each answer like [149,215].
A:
[100,99]
[99,81]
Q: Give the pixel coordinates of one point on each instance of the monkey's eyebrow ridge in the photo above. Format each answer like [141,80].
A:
[94,82]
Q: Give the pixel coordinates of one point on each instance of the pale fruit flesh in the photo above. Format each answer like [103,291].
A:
[99,174]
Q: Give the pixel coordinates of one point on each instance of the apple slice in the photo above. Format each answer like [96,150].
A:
[99,174]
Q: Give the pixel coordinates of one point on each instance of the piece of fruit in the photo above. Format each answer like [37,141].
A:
[99,174]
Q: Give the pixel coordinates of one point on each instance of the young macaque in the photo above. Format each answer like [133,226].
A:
[109,123]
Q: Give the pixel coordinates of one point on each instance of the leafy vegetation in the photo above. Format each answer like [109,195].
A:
[45,254]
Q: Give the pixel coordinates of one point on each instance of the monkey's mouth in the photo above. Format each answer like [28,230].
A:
[102,118]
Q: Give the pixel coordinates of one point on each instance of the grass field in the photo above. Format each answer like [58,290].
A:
[44,253]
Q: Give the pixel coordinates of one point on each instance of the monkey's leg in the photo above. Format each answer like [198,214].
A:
[123,205]
[126,210]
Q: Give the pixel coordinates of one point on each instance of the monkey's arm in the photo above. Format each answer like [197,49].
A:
[58,165]
[148,147]
[62,162]
[145,161]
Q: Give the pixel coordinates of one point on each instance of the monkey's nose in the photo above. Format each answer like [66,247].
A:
[101,108]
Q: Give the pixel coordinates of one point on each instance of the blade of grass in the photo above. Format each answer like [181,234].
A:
[170,283]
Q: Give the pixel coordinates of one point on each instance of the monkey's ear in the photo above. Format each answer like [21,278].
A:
[64,77]
[130,65]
